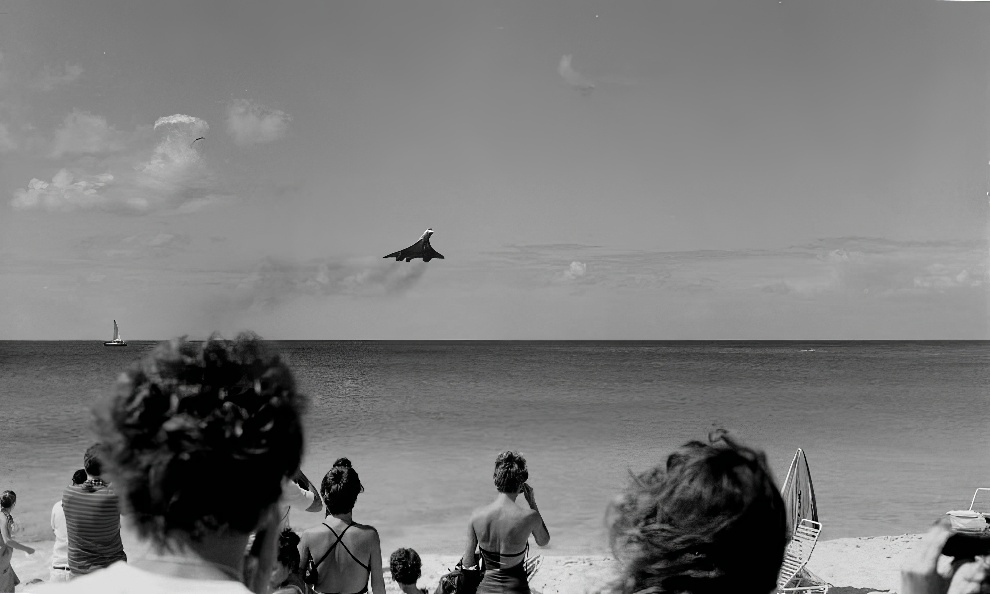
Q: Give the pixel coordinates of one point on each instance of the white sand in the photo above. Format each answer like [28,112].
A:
[851,565]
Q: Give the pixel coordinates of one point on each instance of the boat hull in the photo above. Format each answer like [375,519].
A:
[115,344]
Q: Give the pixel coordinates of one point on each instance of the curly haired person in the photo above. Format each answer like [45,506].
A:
[199,439]
[709,519]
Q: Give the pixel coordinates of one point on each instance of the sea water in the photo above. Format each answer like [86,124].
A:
[896,433]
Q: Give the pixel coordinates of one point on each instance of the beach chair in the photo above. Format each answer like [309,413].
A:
[796,556]
[532,564]
[973,502]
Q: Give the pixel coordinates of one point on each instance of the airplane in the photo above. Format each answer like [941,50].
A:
[420,249]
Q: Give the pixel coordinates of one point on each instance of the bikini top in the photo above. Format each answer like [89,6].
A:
[367,567]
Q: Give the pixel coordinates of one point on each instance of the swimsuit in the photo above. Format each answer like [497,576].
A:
[356,560]
[503,580]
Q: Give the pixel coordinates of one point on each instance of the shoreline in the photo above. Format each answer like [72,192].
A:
[852,565]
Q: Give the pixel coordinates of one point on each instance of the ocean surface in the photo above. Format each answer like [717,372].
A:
[896,433]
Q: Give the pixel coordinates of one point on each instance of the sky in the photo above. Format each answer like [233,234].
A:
[668,170]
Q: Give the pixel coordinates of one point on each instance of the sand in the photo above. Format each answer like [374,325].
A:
[851,565]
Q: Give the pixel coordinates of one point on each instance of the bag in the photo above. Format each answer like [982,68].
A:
[460,580]
[312,574]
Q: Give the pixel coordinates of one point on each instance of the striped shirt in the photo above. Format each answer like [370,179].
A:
[92,522]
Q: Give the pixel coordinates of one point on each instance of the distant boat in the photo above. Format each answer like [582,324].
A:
[117,339]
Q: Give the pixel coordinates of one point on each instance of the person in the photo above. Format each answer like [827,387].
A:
[286,576]
[92,519]
[708,519]
[60,551]
[406,568]
[198,439]
[8,578]
[501,529]
[346,554]
[969,574]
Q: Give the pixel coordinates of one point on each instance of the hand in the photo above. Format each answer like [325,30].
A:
[528,493]
[920,575]
[969,577]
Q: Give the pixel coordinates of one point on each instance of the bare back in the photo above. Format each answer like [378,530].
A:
[503,529]
[344,553]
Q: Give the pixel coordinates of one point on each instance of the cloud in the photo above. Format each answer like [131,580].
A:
[941,276]
[85,133]
[65,192]
[7,143]
[251,123]
[575,270]
[574,78]
[154,169]
[51,79]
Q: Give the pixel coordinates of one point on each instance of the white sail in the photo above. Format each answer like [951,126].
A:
[116,334]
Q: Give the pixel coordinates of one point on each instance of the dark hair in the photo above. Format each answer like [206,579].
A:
[709,519]
[340,488]
[8,498]
[510,472]
[79,477]
[189,417]
[288,550]
[406,566]
[92,460]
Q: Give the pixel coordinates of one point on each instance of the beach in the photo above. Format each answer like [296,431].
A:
[852,565]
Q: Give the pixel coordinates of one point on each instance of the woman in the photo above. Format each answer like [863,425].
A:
[406,568]
[286,577]
[198,439]
[346,554]
[8,579]
[709,519]
[501,529]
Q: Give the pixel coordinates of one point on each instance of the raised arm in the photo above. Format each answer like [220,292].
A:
[540,532]
[304,483]
[377,577]
[10,542]
[469,560]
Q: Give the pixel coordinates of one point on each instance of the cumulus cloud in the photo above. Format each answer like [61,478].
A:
[51,79]
[574,78]
[251,123]
[66,192]
[85,133]
[941,276]
[575,270]
[156,169]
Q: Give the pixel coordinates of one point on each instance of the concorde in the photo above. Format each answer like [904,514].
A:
[420,249]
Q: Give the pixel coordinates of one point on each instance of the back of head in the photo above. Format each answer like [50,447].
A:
[406,566]
[288,550]
[79,477]
[92,460]
[8,498]
[510,472]
[710,519]
[189,417]
[340,488]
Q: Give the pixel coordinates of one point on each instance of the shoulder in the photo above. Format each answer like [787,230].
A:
[367,529]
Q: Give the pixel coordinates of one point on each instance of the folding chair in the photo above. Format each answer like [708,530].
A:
[796,556]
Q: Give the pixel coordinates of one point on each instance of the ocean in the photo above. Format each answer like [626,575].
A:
[896,433]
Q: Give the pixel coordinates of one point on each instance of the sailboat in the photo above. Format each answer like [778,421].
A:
[117,339]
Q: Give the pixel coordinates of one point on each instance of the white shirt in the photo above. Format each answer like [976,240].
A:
[121,578]
[60,552]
